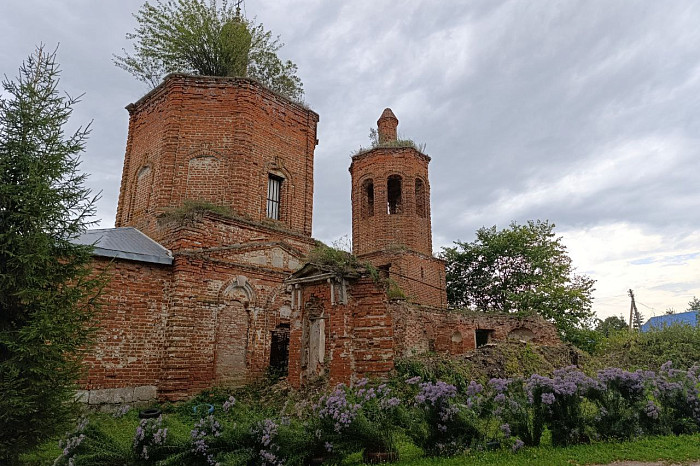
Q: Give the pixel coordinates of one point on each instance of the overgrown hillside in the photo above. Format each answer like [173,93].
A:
[502,360]
[679,344]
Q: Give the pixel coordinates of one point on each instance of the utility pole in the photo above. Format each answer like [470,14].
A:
[635,318]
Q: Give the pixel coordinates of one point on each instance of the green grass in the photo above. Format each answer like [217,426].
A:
[677,449]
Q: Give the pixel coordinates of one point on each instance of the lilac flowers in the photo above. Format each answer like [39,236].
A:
[149,434]
[265,433]
[207,428]
[71,443]
[337,408]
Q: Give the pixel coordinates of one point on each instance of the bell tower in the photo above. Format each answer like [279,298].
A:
[391,214]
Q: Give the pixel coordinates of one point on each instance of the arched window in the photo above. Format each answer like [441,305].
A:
[420,198]
[367,198]
[394,203]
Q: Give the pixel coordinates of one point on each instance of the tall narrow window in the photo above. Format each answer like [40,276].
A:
[367,198]
[393,195]
[274,195]
[420,198]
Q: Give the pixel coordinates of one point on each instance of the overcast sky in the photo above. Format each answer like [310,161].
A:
[585,113]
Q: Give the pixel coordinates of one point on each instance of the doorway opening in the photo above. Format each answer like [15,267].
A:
[279,351]
[483,336]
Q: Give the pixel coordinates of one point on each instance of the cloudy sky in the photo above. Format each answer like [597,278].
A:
[585,113]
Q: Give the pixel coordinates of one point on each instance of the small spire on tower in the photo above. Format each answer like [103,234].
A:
[386,126]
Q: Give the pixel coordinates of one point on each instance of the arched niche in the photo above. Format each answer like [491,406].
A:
[521,334]
[232,329]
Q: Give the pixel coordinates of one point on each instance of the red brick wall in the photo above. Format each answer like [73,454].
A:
[383,230]
[220,323]
[228,297]
[210,231]
[130,341]
[420,329]
[420,278]
[207,319]
[363,336]
[359,337]
[217,140]
[402,240]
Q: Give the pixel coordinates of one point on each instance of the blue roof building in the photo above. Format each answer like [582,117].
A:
[683,318]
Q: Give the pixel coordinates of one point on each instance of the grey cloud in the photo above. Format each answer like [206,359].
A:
[510,97]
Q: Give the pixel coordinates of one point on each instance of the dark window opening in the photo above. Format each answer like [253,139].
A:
[420,198]
[393,195]
[422,273]
[274,196]
[279,351]
[367,198]
[483,337]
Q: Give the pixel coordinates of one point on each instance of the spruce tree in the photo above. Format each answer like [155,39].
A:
[47,291]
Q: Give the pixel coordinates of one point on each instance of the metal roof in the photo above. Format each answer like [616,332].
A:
[125,243]
[683,318]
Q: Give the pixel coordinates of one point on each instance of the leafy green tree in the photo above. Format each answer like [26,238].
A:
[521,269]
[611,325]
[47,293]
[694,304]
[191,36]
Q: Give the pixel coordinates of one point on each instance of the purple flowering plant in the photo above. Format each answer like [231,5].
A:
[329,423]
[360,416]
[447,427]
[149,437]
[203,438]
[266,450]
[70,445]
[621,397]
[558,402]
[676,401]
[381,415]
[521,417]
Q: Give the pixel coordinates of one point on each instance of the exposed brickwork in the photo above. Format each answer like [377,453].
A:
[420,329]
[391,216]
[358,337]
[208,318]
[420,278]
[384,230]
[363,336]
[386,126]
[236,293]
[217,140]
[132,324]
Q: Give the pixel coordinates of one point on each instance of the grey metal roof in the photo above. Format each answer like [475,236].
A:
[125,243]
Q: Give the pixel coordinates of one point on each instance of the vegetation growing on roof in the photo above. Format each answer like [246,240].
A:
[344,262]
[401,142]
[205,38]
[191,210]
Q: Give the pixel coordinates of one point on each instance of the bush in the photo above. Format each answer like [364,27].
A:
[676,404]
[621,398]
[679,344]
[444,428]
[436,416]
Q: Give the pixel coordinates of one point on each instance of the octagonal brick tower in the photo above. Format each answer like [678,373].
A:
[391,215]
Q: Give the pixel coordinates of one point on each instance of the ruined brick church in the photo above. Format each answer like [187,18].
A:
[210,283]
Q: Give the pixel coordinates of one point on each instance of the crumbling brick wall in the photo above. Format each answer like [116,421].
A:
[416,277]
[130,340]
[216,140]
[420,329]
[358,339]
[391,215]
